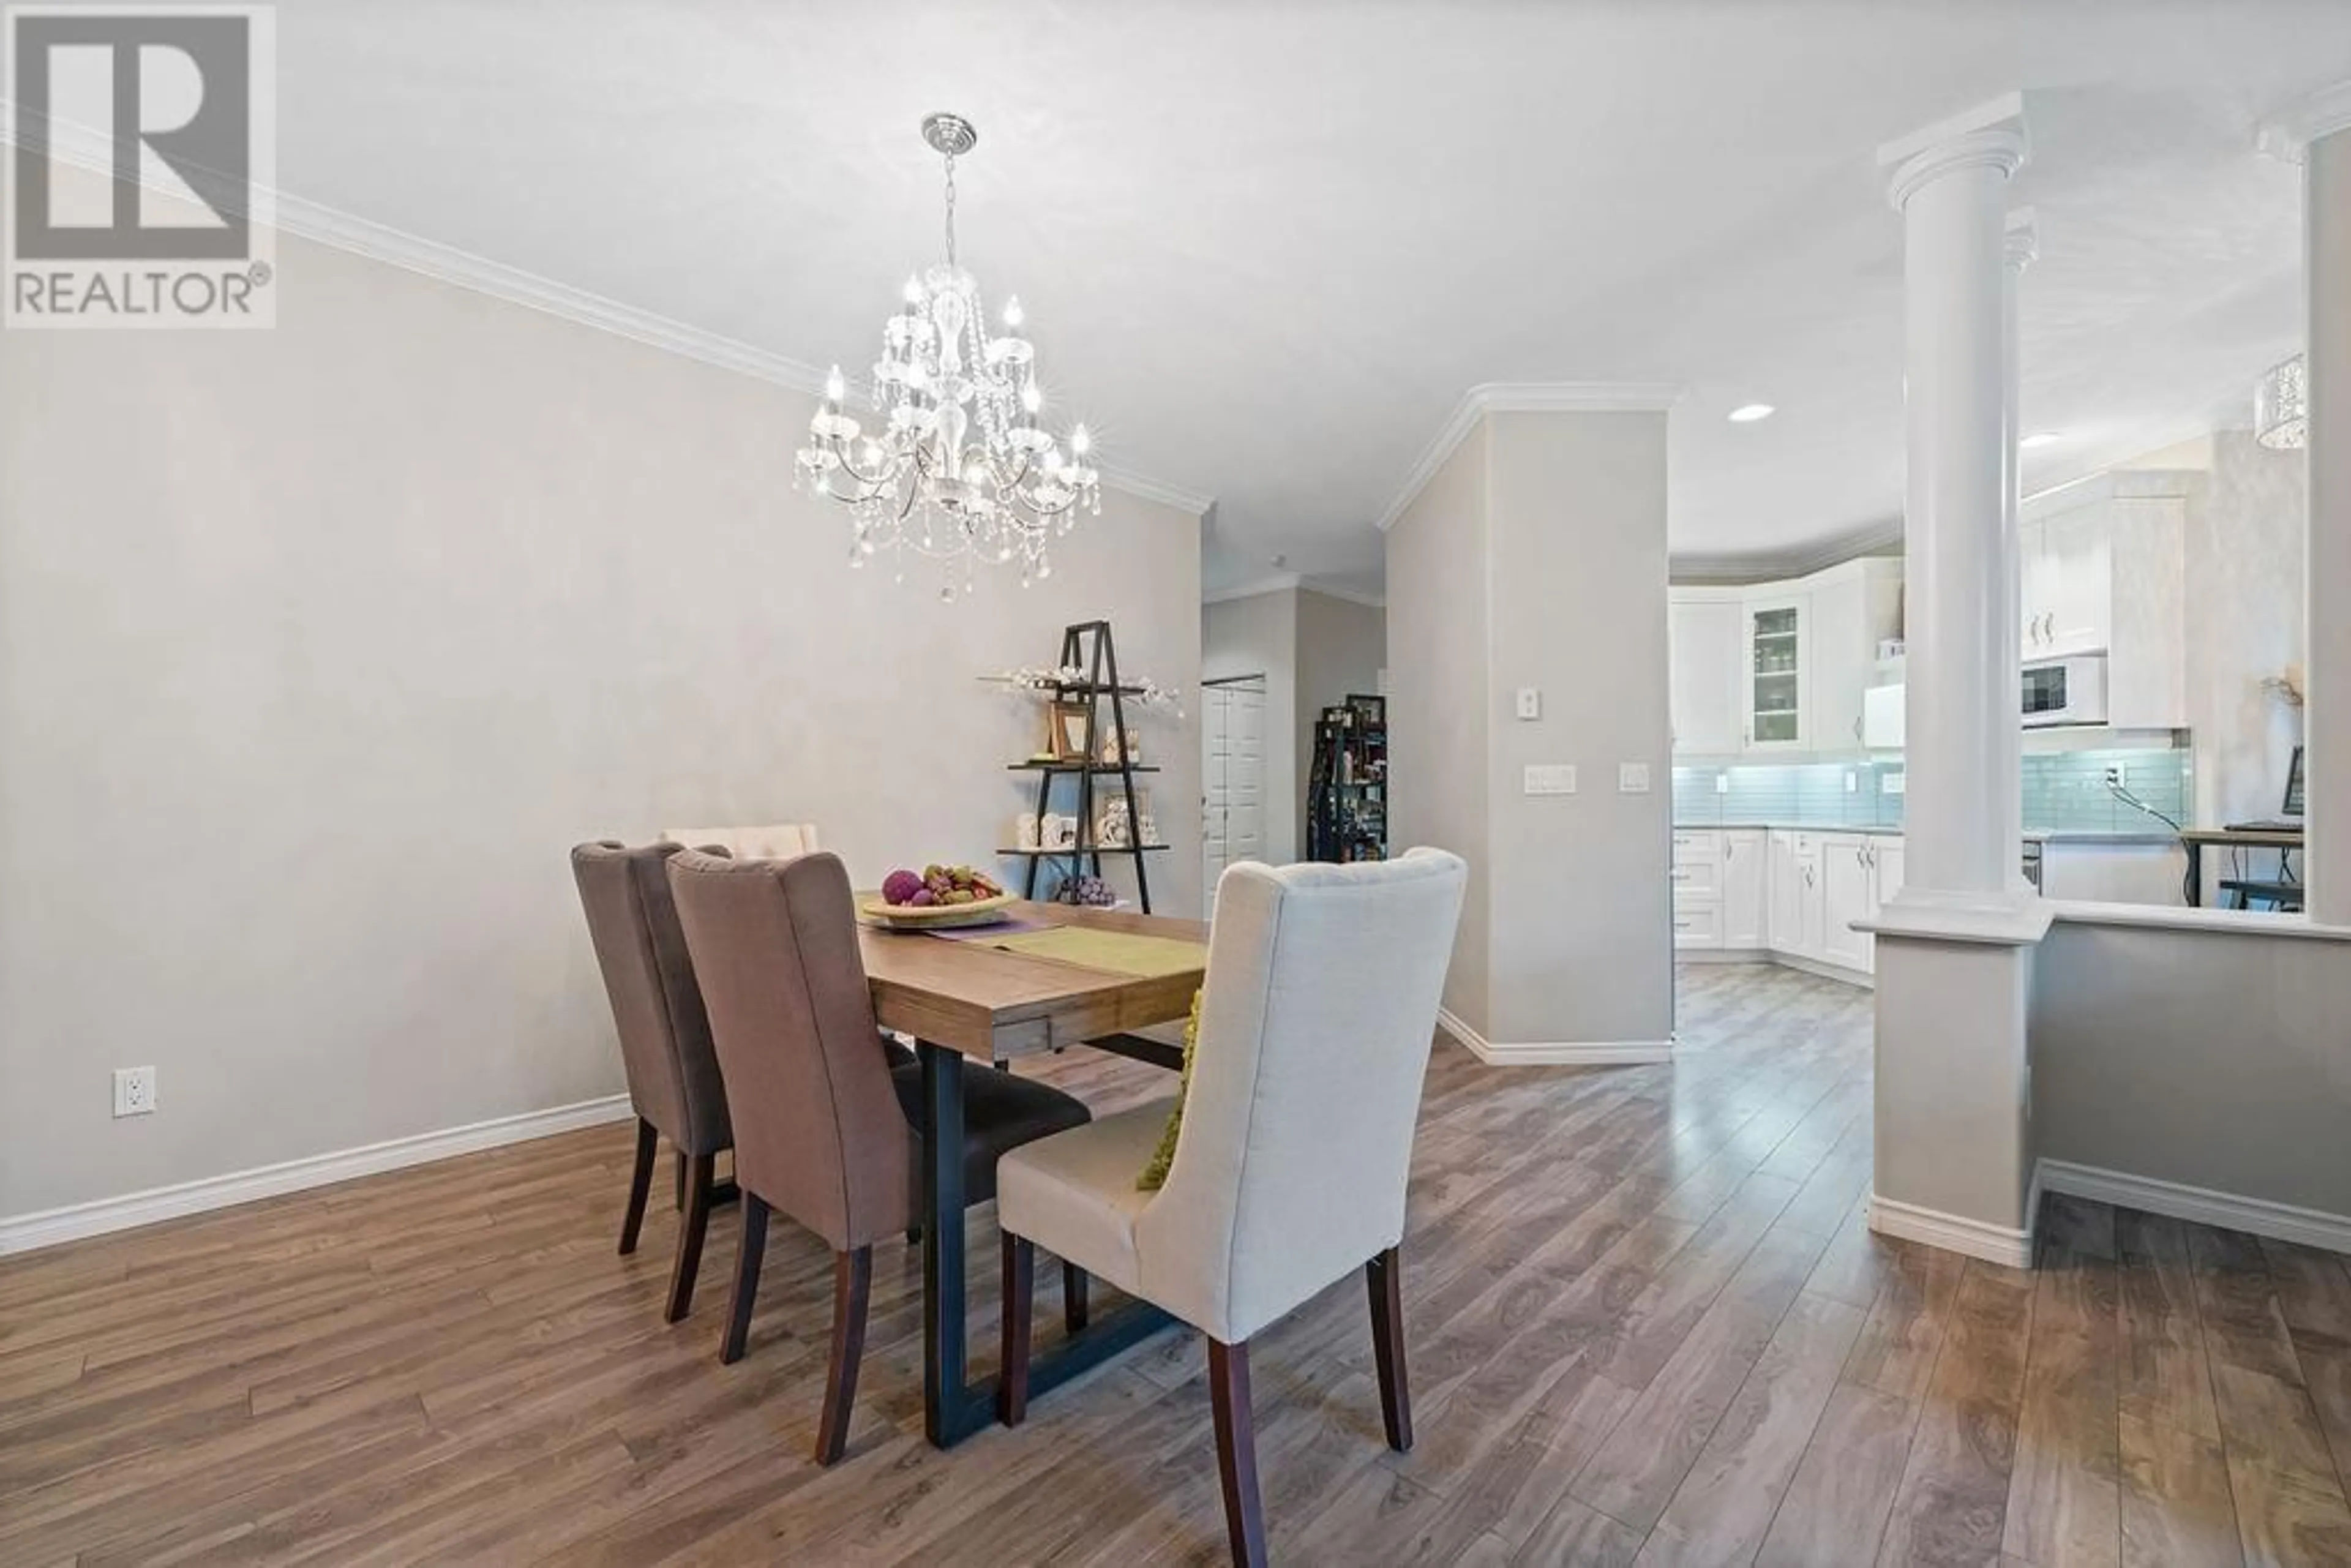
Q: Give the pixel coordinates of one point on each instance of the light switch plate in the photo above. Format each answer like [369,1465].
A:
[1530,703]
[1891,784]
[1550,779]
[1722,783]
[1632,779]
[1852,782]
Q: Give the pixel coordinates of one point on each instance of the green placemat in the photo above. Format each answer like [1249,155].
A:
[1119,952]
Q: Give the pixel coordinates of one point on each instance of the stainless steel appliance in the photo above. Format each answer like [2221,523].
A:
[2065,691]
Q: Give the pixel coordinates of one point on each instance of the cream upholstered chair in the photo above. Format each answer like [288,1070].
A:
[775,841]
[1323,989]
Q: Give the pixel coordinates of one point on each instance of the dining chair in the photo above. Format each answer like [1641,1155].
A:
[1290,1164]
[665,1047]
[824,1127]
[775,841]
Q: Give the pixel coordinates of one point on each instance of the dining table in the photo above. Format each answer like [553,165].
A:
[1052,977]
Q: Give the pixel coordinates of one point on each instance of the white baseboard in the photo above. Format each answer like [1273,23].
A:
[24,1232]
[1556,1054]
[1867,981]
[1951,1232]
[2177,1200]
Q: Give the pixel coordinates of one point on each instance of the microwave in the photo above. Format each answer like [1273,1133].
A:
[2066,690]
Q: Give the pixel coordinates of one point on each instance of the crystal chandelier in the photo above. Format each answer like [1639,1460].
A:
[2281,406]
[956,467]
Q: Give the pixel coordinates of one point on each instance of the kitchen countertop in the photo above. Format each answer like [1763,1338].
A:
[2033,835]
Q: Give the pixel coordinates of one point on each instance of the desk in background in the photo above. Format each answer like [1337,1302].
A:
[2285,842]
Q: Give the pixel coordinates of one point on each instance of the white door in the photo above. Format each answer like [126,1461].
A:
[1705,638]
[1232,817]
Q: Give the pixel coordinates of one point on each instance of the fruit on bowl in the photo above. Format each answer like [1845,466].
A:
[939,885]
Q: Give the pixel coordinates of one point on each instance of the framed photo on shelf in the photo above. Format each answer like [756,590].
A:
[1069,732]
[1114,829]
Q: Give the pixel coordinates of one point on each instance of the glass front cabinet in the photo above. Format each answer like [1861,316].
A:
[1778,654]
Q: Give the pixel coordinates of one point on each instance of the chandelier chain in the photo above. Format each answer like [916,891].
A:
[951,195]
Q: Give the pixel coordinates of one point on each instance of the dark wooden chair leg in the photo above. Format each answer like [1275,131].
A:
[852,1279]
[1229,1394]
[691,1226]
[640,1186]
[681,1181]
[1073,1297]
[1019,1304]
[746,1279]
[1384,1276]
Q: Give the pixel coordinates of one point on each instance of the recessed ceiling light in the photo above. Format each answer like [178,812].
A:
[1748,413]
[2040,438]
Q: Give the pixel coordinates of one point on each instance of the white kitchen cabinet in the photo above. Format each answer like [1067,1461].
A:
[1780,667]
[1796,896]
[1744,878]
[1848,893]
[1854,607]
[2102,570]
[1705,628]
[1776,648]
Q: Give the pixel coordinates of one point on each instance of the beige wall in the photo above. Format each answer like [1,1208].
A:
[1341,648]
[2245,611]
[1582,886]
[320,646]
[1258,635]
[2214,1061]
[1437,619]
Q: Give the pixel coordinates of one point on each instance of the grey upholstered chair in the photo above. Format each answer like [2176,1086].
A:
[666,1048]
[1315,1022]
[822,1122]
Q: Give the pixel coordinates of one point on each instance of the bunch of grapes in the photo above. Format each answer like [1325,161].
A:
[939,885]
[1091,890]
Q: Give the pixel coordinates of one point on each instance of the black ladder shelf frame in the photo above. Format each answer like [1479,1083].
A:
[1099,659]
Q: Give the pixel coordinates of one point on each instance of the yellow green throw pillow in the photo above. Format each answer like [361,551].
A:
[1154,1175]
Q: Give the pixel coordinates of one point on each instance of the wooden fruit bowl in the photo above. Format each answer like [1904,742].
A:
[937,917]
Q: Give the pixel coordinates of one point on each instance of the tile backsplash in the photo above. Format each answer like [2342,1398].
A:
[2064,791]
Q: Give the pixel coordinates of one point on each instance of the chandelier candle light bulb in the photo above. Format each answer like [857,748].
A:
[958,468]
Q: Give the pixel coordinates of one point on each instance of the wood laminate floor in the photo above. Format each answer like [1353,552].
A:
[1646,1324]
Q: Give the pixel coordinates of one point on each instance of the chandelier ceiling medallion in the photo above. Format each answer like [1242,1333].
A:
[956,466]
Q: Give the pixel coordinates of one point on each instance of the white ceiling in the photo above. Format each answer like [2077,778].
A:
[1265,249]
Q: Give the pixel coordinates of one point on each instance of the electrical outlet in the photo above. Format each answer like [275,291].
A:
[1852,782]
[1722,783]
[1550,779]
[1632,779]
[1530,703]
[134,1090]
[2114,778]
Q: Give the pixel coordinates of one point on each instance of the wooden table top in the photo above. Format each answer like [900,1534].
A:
[993,1004]
[2250,838]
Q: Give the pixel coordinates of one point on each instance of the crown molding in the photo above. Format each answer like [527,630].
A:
[1770,566]
[1525,397]
[1279,583]
[1351,596]
[2287,134]
[331,226]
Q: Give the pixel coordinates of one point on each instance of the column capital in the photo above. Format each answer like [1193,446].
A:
[2021,241]
[1990,135]
[2288,133]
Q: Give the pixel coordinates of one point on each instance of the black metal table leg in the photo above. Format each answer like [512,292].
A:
[953,1407]
[2195,883]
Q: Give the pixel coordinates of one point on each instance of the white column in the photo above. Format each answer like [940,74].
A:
[2022,244]
[1955,951]
[1951,183]
[2317,133]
